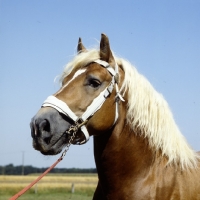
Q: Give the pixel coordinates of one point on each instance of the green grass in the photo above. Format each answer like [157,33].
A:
[51,194]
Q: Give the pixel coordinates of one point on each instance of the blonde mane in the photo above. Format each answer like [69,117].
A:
[148,110]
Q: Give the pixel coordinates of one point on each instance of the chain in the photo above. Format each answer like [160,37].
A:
[72,131]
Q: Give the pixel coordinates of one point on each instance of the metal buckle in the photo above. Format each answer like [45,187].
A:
[80,122]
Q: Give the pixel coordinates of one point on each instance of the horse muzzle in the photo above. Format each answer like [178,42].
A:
[48,130]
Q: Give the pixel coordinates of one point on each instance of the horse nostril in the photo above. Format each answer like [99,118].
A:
[44,126]
[40,128]
[44,130]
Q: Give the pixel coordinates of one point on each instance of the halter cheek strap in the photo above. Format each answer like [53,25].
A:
[96,104]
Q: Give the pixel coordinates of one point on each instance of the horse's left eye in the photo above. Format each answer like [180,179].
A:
[94,83]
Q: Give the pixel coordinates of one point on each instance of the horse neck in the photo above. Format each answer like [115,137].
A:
[121,154]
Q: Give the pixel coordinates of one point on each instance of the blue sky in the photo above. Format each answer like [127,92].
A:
[37,38]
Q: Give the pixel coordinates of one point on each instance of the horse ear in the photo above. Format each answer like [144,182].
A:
[105,51]
[80,47]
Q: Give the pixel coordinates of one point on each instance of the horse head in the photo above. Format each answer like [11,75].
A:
[85,105]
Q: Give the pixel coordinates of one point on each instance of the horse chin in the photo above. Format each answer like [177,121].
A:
[54,146]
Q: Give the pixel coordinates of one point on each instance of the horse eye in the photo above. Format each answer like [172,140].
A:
[94,83]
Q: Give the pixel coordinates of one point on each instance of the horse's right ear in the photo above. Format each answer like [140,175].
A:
[80,47]
[105,51]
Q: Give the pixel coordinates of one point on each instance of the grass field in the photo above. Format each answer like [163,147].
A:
[52,186]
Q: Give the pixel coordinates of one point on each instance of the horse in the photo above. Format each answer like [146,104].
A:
[139,150]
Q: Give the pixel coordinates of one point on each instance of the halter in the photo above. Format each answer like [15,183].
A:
[79,122]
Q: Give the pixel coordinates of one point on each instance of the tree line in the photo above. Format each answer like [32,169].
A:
[10,169]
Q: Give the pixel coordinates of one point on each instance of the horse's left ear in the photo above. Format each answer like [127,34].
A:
[80,47]
[105,51]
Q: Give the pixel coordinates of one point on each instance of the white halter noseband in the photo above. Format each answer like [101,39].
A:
[96,104]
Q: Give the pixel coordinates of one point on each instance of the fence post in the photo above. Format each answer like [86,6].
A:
[36,188]
[73,188]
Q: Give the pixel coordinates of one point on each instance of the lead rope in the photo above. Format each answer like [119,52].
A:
[16,196]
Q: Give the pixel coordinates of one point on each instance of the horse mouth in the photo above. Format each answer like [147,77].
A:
[50,145]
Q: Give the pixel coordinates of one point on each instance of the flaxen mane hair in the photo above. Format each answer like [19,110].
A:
[148,110]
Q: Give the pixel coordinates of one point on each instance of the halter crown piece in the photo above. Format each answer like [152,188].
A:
[79,122]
